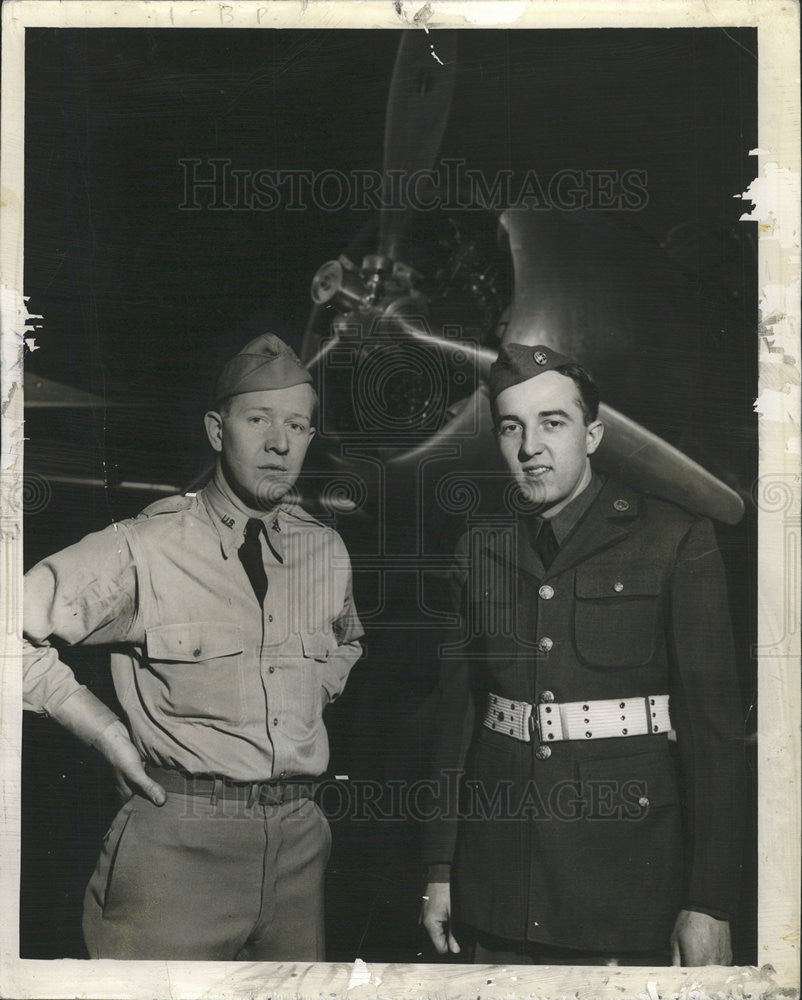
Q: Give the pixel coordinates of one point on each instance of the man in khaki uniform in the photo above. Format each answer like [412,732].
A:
[232,623]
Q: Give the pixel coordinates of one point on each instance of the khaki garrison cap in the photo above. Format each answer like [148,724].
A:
[265,363]
[518,362]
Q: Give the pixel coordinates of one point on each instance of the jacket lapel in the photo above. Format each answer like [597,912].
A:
[609,518]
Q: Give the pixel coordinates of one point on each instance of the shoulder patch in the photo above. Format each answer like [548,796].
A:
[168,505]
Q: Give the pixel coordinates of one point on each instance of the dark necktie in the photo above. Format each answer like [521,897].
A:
[250,555]
[546,545]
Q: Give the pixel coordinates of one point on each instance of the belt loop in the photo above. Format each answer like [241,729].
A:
[253,794]
[217,790]
[534,723]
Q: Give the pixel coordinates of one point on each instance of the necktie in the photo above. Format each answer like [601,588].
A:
[546,545]
[250,555]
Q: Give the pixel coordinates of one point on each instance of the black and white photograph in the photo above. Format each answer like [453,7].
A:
[401,451]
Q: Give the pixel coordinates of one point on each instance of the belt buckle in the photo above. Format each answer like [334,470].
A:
[534,725]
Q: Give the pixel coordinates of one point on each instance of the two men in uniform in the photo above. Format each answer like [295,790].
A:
[232,626]
[592,682]
[590,696]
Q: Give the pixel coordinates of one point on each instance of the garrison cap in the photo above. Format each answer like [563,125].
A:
[264,363]
[518,362]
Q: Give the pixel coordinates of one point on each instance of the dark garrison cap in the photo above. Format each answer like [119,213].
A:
[265,363]
[518,362]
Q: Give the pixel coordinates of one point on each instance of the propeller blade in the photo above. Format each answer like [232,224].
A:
[628,451]
[41,392]
[417,112]
[483,357]
[631,452]
[124,484]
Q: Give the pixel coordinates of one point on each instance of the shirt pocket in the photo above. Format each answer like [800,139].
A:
[616,615]
[317,645]
[316,648]
[198,670]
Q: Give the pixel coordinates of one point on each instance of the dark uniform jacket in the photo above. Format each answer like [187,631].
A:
[599,844]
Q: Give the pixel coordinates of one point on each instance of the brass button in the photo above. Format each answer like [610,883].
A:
[546,592]
[618,586]
[546,697]
[621,505]
[643,802]
[543,752]
[545,644]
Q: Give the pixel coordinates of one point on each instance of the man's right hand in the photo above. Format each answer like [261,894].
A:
[116,746]
[436,916]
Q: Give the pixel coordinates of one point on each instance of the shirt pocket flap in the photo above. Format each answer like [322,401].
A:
[598,582]
[191,642]
[317,645]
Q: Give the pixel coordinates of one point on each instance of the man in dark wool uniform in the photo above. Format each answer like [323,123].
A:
[591,699]
[232,626]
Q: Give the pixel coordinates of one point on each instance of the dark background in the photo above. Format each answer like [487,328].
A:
[142,301]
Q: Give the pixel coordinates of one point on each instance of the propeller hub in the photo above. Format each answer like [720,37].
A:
[332,283]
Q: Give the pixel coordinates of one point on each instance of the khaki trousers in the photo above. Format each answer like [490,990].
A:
[218,881]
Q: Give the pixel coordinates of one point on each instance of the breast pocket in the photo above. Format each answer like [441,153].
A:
[197,670]
[317,647]
[616,615]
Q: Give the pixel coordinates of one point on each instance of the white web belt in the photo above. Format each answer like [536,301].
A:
[578,720]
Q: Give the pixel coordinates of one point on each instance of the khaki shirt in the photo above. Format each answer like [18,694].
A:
[211,682]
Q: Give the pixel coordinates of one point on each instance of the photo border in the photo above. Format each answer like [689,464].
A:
[776,197]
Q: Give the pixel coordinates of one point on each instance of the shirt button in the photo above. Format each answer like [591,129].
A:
[196,651]
[270,618]
[545,644]
[275,722]
[546,592]
[546,697]
[271,670]
[543,752]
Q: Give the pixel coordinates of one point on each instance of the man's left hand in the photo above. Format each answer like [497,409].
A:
[698,939]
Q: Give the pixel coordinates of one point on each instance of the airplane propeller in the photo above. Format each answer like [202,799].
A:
[384,293]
